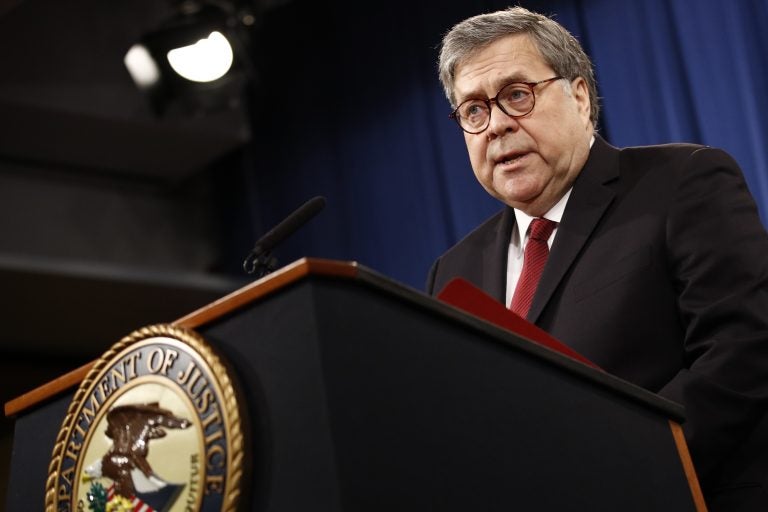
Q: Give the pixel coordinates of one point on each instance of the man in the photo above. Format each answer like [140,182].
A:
[658,264]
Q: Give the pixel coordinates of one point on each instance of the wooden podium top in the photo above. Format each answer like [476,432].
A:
[476,316]
[256,290]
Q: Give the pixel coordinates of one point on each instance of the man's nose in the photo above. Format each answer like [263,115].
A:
[500,123]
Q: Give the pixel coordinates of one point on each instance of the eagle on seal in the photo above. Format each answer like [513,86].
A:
[131,427]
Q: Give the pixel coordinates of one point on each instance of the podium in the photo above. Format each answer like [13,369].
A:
[363,394]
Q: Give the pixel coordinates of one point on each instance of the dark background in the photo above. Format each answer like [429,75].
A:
[112,217]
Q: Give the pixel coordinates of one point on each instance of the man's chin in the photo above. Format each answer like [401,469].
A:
[518,200]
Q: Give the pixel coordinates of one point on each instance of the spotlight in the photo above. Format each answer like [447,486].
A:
[205,61]
[141,66]
[194,60]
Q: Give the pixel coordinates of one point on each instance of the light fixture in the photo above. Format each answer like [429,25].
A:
[141,66]
[205,61]
[193,58]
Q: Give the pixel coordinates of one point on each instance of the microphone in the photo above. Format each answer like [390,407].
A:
[260,257]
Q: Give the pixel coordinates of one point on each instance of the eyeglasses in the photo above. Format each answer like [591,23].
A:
[516,99]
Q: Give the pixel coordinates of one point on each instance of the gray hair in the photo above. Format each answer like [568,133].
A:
[560,50]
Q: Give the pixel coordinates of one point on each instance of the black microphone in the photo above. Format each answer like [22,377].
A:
[260,257]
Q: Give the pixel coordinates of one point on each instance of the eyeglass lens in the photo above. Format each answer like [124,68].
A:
[515,99]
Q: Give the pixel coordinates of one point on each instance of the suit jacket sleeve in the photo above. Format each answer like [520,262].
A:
[717,250]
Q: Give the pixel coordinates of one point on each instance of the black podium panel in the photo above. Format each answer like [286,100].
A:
[369,402]
[34,435]
[367,396]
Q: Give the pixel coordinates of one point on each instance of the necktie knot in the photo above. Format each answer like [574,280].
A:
[541,229]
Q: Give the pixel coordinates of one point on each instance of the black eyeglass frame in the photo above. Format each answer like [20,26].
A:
[488,101]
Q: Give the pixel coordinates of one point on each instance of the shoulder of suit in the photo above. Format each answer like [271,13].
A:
[682,148]
[668,154]
[482,234]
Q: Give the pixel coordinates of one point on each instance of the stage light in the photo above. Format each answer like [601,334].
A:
[205,61]
[195,60]
[141,66]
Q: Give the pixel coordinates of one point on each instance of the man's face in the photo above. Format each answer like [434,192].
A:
[528,162]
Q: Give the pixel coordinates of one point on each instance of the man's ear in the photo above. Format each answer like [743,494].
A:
[580,93]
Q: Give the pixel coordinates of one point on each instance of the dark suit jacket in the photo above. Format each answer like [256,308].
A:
[659,275]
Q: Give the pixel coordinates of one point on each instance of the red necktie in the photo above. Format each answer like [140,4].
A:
[536,252]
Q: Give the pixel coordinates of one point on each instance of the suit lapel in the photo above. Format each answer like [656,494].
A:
[589,200]
[495,254]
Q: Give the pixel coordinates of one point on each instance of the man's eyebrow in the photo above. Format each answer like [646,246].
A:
[514,77]
[498,84]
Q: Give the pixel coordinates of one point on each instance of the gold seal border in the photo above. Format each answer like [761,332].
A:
[229,401]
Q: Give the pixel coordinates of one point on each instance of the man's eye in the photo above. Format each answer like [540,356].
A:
[517,94]
[473,109]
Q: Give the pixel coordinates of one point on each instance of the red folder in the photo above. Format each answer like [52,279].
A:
[466,296]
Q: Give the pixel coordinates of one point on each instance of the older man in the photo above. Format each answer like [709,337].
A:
[650,261]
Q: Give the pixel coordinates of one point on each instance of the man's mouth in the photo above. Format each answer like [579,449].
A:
[511,158]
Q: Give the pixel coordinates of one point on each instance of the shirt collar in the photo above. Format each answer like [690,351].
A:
[554,214]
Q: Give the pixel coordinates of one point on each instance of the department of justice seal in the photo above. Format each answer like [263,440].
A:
[154,426]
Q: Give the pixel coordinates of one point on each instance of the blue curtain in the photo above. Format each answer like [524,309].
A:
[673,71]
[349,106]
